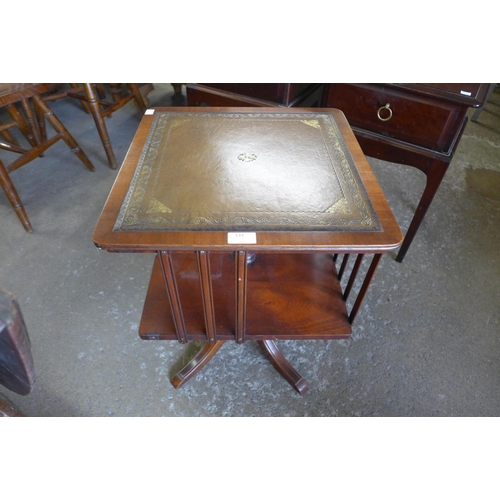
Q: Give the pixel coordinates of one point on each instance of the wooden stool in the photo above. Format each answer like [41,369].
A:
[95,99]
[22,93]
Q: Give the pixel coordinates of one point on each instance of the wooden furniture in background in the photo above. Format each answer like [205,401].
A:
[26,94]
[411,124]
[17,370]
[101,100]
[177,87]
[479,110]
[8,409]
[255,94]
[246,239]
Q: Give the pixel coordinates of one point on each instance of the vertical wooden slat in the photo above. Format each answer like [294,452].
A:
[207,294]
[364,286]
[343,265]
[352,278]
[173,295]
[241,286]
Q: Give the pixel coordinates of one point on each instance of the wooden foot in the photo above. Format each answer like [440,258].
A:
[207,352]
[269,347]
[283,366]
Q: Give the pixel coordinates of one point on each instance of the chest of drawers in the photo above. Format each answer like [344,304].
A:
[411,124]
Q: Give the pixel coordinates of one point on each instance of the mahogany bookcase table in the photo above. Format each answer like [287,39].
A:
[247,211]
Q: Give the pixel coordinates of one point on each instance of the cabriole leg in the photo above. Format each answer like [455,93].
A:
[283,366]
[206,353]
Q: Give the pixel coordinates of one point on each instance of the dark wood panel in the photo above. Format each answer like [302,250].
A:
[468,94]
[295,296]
[17,370]
[413,118]
[255,94]
[292,296]
[274,92]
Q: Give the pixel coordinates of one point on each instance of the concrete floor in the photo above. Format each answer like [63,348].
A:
[425,343]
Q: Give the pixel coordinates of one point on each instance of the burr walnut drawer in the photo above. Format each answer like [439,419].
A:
[413,118]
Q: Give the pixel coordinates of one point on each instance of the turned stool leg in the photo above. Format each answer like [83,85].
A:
[101,126]
[139,98]
[14,199]
[61,129]
[21,124]
[30,117]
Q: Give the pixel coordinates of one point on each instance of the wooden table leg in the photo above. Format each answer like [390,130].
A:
[435,173]
[433,164]
[207,352]
[283,366]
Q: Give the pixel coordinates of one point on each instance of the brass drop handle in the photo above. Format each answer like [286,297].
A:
[389,116]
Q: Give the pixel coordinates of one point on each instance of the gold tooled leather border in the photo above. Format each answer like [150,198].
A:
[357,215]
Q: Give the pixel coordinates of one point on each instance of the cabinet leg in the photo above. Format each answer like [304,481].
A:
[435,173]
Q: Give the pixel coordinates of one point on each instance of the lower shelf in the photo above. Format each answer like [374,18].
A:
[289,296]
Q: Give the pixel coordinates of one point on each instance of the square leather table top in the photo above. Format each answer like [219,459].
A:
[294,177]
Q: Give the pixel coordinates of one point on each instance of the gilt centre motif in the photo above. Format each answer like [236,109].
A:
[189,175]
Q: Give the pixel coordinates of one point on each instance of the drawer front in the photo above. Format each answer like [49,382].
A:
[419,120]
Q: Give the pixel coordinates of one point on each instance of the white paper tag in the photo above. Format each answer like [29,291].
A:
[463,92]
[242,238]
[149,112]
